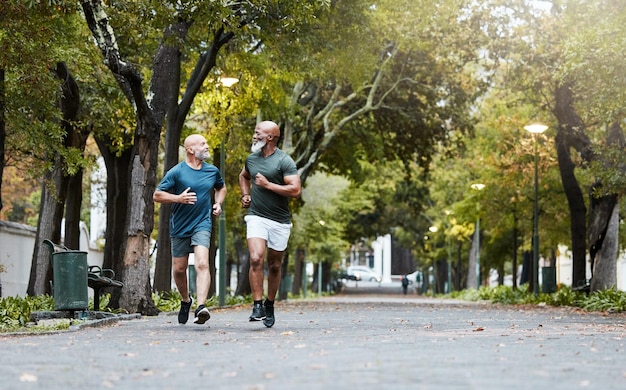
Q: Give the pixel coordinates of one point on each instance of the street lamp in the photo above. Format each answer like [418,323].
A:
[434,229]
[227,82]
[477,187]
[536,129]
[319,268]
[448,263]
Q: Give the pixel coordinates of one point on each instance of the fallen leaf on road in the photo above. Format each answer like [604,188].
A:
[479,329]
[26,377]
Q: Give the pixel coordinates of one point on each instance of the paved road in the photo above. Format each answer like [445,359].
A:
[384,341]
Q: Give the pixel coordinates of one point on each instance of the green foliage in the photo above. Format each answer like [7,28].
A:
[608,300]
[15,311]
[169,301]
[317,227]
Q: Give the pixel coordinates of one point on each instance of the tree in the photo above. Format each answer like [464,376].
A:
[42,114]
[582,109]
[176,21]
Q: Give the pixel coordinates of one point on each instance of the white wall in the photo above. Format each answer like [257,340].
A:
[16,254]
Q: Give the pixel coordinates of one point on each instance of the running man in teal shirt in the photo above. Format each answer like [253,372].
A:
[188,186]
[268,180]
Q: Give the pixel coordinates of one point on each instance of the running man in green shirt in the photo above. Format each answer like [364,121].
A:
[268,180]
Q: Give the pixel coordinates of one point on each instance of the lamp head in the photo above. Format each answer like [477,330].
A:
[536,128]
[228,81]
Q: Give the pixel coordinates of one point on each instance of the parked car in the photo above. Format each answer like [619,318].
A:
[363,273]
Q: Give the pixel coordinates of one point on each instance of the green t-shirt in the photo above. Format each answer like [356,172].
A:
[265,203]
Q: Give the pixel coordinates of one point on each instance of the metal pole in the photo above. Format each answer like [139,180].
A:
[478,253]
[449,252]
[222,238]
[304,281]
[536,229]
[319,278]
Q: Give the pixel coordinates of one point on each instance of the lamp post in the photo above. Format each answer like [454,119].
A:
[319,268]
[536,129]
[227,82]
[433,229]
[448,263]
[477,187]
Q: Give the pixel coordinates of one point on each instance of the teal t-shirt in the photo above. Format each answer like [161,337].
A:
[186,219]
[266,203]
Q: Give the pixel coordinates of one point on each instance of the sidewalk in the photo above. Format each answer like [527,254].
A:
[387,341]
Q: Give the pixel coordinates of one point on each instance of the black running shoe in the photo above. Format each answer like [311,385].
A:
[202,315]
[183,314]
[269,316]
[258,312]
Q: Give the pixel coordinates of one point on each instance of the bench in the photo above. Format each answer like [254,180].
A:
[97,277]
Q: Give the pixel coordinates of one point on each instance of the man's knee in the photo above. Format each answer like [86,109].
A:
[256,261]
[179,266]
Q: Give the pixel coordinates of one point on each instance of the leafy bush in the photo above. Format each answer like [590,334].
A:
[169,301]
[15,311]
[606,300]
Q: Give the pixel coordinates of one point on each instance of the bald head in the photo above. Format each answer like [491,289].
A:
[269,128]
[266,136]
[192,140]
[196,147]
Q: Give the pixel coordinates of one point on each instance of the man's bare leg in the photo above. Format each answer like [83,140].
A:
[256,246]
[203,282]
[179,272]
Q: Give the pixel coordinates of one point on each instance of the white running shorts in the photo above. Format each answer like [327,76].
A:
[276,234]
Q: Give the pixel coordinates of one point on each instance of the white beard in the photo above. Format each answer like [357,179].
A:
[202,155]
[256,146]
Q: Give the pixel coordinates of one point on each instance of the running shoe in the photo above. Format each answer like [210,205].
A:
[183,314]
[202,315]
[269,316]
[258,312]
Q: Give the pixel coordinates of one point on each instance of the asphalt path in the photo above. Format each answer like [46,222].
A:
[367,337]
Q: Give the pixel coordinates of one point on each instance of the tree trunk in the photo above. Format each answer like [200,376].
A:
[136,295]
[55,191]
[298,282]
[604,226]
[604,265]
[515,251]
[472,278]
[3,130]
[243,288]
[459,266]
[163,266]
[570,134]
[117,183]
[176,114]
[48,226]
[75,138]
[73,206]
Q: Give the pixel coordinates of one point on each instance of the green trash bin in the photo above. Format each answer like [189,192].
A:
[548,280]
[69,280]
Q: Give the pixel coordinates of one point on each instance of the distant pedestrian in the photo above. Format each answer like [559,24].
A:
[405,284]
[188,186]
[268,180]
